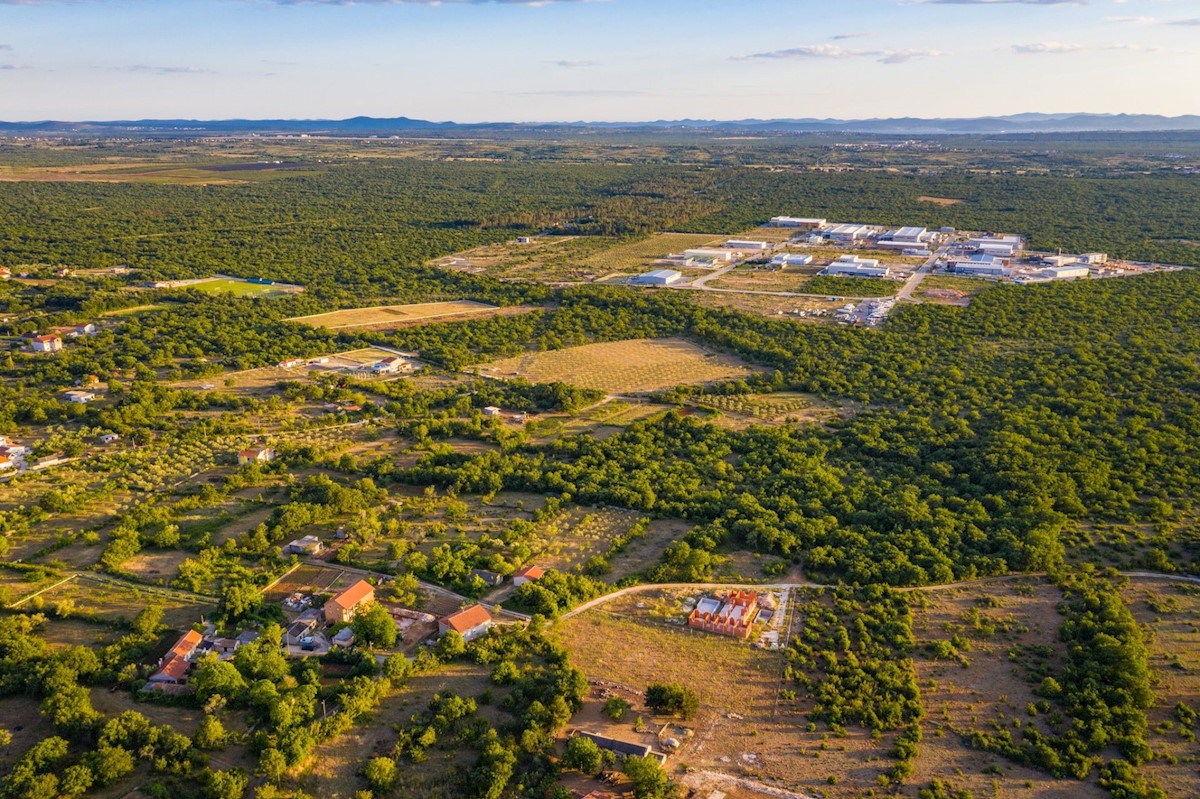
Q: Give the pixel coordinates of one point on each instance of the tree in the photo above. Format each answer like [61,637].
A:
[76,780]
[215,676]
[672,698]
[239,598]
[374,626]
[451,646]
[582,754]
[649,778]
[230,784]
[380,772]
[398,668]
[615,707]
[109,764]
[211,734]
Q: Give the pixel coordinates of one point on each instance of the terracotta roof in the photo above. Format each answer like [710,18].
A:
[186,644]
[354,594]
[530,572]
[468,618]
[44,339]
[174,669]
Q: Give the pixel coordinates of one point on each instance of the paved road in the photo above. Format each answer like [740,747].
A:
[905,294]
[638,589]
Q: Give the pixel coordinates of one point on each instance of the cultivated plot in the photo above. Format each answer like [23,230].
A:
[632,366]
[380,317]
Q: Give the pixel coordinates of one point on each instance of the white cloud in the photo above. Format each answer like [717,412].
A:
[836,51]
[1043,48]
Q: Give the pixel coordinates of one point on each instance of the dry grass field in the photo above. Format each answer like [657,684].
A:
[632,366]
[746,728]
[162,172]
[545,259]
[117,602]
[335,770]
[642,255]
[383,316]
[766,305]
[1170,612]
[940,200]
[992,689]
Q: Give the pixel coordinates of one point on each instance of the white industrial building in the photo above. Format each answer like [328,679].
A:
[809,223]
[849,233]
[1059,260]
[744,244]
[791,259]
[853,266]
[982,266]
[997,245]
[905,237]
[659,277]
[1094,258]
[709,254]
[1066,272]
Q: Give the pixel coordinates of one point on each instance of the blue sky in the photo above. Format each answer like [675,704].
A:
[477,60]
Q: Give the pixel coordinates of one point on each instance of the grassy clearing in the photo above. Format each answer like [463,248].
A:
[772,408]
[310,580]
[764,304]
[632,366]
[940,200]
[545,259]
[992,688]
[110,603]
[950,290]
[1171,613]
[378,317]
[241,288]
[743,727]
[167,173]
[641,255]
[335,771]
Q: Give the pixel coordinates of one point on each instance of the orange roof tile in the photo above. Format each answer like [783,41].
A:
[186,644]
[354,594]
[175,669]
[531,572]
[467,618]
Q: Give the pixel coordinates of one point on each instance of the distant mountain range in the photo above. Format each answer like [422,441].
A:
[368,126]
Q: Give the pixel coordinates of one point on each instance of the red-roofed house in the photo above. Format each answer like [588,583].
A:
[528,575]
[173,668]
[343,606]
[732,614]
[469,622]
[48,343]
[256,455]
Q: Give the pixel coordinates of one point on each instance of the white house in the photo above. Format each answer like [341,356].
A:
[80,397]
[528,574]
[50,343]
[470,622]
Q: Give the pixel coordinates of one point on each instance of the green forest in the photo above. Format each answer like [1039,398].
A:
[1047,430]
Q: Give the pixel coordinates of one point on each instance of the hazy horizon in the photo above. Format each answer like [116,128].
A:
[473,61]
